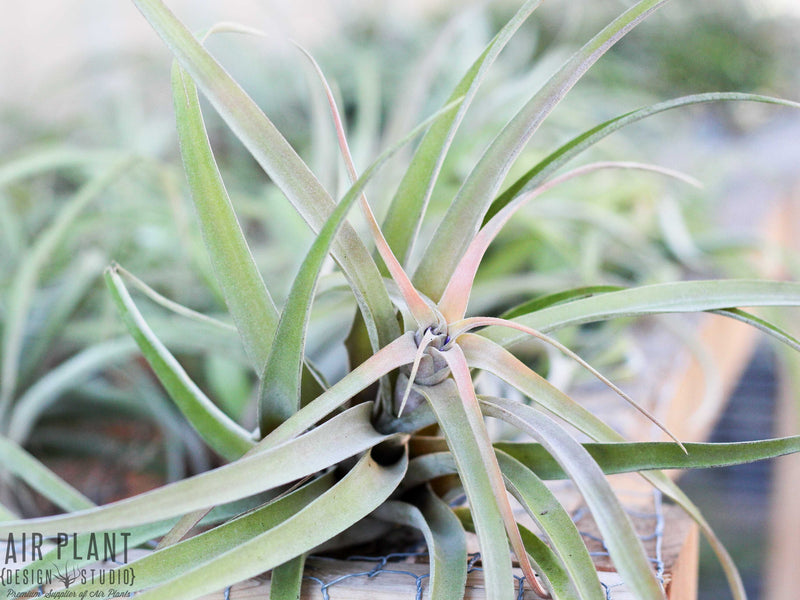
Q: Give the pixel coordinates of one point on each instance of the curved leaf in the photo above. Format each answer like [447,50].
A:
[548,165]
[75,284]
[543,507]
[627,457]
[275,467]
[245,293]
[218,430]
[495,359]
[408,206]
[45,159]
[455,297]
[400,352]
[362,490]
[271,150]
[545,559]
[557,524]
[760,324]
[67,375]
[444,536]
[675,297]
[280,391]
[462,437]
[469,207]
[168,563]
[619,535]
[558,298]
[488,356]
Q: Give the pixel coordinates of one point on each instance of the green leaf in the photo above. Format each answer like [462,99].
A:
[469,207]
[760,324]
[16,461]
[219,431]
[494,359]
[168,563]
[276,466]
[542,506]
[361,491]
[286,579]
[408,206]
[619,535]
[247,297]
[284,167]
[488,356]
[557,298]
[444,536]
[549,564]
[558,527]
[400,352]
[545,558]
[280,381]
[627,457]
[24,283]
[467,450]
[676,297]
[548,165]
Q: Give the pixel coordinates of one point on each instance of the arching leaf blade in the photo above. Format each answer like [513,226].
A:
[17,462]
[362,490]
[280,381]
[243,288]
[557,525]
[548,165]
[467,451]
[619,535]
[628,457]
[276,156]
[276,466]
[167,563]
[218,430]
[674,297]
[27,274]
[469,207]
[444,536]
[411,199]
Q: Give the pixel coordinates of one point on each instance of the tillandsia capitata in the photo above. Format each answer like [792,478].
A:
[297,469]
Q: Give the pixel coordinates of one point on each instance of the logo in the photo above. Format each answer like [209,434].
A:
[69,565]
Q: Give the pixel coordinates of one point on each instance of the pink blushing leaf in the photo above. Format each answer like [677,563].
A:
[458,367]
[422,312]
[453,304]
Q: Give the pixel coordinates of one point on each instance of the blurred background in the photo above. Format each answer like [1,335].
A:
[85,82]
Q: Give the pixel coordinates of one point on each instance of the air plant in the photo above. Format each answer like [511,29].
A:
[328,464]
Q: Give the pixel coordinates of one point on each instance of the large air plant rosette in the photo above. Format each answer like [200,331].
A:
[329,462]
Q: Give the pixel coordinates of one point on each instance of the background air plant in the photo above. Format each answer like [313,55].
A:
[328,463]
